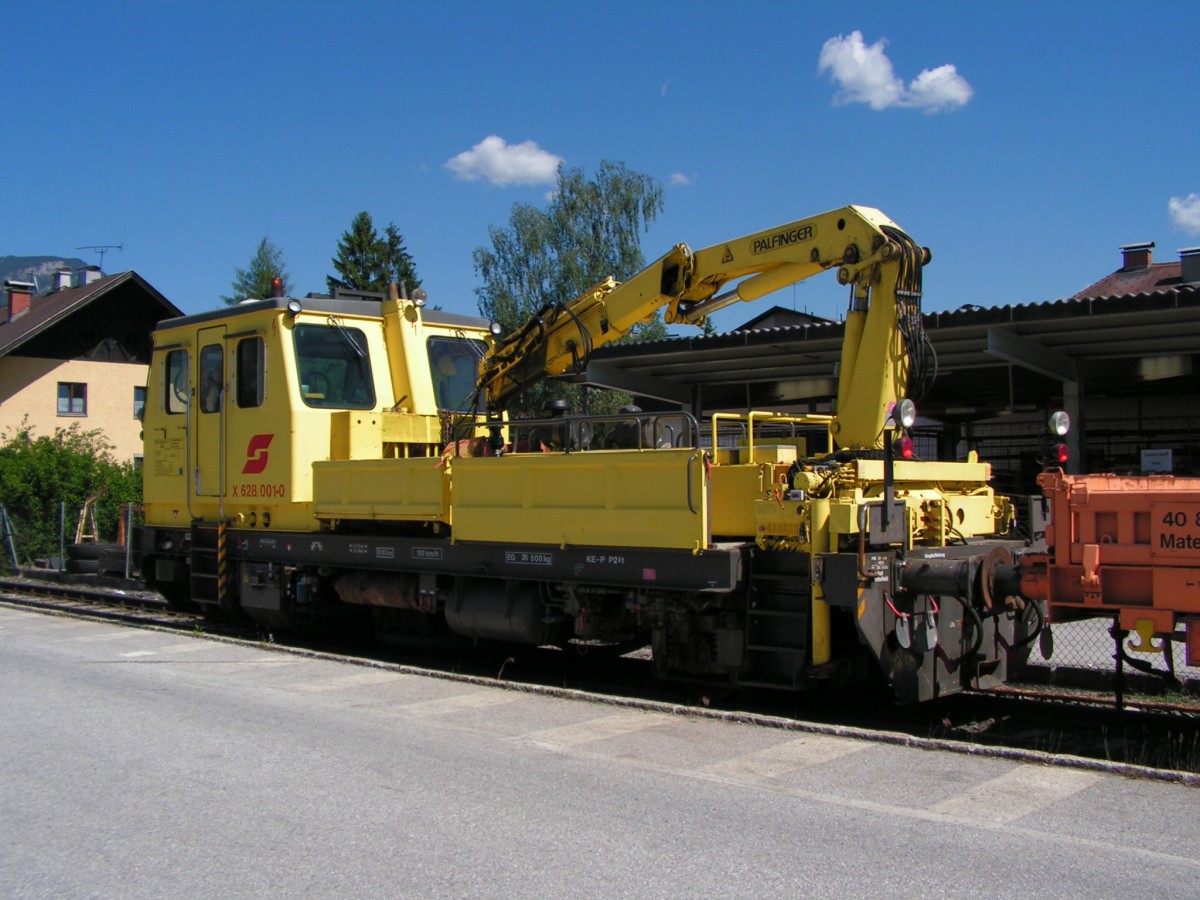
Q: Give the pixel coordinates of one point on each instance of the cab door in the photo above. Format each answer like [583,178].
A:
[208,413]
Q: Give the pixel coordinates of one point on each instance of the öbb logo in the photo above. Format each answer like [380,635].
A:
[256,454]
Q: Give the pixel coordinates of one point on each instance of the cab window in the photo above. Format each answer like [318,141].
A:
[454,367]
[250,375]
[211,376]
[334,367]
[176,371]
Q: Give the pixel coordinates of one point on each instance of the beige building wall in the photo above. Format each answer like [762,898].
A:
[29,388]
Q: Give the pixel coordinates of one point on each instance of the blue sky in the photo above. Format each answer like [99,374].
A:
[1023,142]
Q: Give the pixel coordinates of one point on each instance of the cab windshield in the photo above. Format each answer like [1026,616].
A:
[334,366]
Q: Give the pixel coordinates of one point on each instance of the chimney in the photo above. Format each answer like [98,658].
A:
[18,294]
[1189,265]
[62,279]
[92,273]
[1136,256]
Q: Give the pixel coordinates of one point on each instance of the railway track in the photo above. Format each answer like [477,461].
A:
[1146,738]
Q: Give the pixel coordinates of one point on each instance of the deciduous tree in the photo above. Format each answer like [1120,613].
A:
[590,229]
[40,473]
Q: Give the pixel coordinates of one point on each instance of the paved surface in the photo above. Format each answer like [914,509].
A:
[141,763]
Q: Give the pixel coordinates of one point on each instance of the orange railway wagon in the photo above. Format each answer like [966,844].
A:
[1126,547]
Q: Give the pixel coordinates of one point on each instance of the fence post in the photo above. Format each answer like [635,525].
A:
[8,536]
[128,537]
[62,535]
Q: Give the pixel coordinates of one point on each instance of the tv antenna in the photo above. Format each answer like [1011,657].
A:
[102,249]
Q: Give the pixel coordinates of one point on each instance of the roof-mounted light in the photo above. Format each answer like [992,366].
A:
[294,307]
[419,297]
[902,414]
[1060,423]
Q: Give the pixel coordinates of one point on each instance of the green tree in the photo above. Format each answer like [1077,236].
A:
[38,473]
[366,261]
[591,229]
[398,263]
[359,260]
[256,280]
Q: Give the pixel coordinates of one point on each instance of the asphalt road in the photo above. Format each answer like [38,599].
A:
[142,763]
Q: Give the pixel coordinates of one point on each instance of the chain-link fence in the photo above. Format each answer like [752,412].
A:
[1083,654]
[84,545]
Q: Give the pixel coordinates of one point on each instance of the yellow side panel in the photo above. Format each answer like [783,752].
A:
[409,428]
[734,492]
[843,517]
[926,471]
[355,434]
[611,498]
[406,490]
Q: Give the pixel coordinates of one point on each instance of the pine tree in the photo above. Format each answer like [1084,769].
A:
[397,261]
[256,280]
[360,258]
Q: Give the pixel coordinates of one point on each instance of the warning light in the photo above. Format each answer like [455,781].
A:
[904,447]
[1061,453]
[277,287]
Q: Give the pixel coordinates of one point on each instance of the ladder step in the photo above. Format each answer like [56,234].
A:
[781,683]
[773,648]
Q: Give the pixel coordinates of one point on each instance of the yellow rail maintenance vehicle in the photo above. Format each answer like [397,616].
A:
[309,457]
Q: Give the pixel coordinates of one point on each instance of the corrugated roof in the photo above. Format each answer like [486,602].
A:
[1140,280]
[968,315]
[1104,336]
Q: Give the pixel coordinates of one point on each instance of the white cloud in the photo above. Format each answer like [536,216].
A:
[662,91]
[678,179]
[494,160]
[1185,213]
[937,89]
[864,75]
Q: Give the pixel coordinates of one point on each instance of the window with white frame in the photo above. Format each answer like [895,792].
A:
[72,398]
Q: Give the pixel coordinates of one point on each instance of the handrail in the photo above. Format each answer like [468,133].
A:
[766,417]
[577,430]
[691,459]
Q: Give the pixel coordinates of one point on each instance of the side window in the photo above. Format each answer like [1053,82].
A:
[139,402]
[250,373]
[454,366]
[176,387]
[212,360]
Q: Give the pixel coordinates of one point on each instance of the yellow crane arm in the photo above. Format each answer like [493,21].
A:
[871,253]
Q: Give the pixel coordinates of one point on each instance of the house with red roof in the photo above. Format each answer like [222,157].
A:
[79,354]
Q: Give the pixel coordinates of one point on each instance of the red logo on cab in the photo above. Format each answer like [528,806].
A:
[256,454]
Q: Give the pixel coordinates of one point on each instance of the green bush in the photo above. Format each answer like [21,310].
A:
[38,473]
